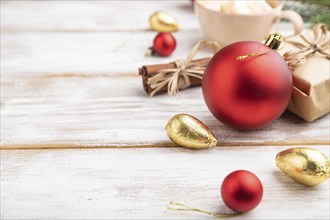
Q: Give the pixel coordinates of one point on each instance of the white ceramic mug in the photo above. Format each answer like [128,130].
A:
[228,28]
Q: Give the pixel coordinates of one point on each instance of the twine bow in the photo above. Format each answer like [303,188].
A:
[320,44]
[178,78]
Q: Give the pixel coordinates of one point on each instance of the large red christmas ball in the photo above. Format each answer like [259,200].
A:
[241,191]
[164,43]
[247,93]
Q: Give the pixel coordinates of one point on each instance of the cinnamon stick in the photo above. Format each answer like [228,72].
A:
[148,71]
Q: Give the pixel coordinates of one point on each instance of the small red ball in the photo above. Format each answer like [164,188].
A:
[164,44]
[249,93]
[241,191]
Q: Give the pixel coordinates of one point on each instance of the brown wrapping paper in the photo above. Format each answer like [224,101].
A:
[311,84]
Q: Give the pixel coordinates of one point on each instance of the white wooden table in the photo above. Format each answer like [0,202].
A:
[81,140]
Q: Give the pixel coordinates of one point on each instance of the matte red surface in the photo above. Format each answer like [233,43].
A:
[241,191]
[164,43]
[250,93]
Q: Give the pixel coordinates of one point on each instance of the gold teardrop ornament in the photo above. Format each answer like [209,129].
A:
[187,131]
[307,166]
[163,22]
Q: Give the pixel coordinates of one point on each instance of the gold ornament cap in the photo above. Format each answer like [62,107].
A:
[274,41]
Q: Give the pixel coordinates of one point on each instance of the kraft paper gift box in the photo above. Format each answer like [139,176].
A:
[311,84]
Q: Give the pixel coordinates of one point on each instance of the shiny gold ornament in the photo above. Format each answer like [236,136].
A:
[163,22]
[187,131]
[307,166]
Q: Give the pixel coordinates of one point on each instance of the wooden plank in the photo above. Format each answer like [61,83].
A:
[98,16]
[138,183]
[84,16]
[58,53]
[99,111]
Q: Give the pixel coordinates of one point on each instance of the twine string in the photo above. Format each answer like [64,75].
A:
[320,44]
[175,206]
[271,37]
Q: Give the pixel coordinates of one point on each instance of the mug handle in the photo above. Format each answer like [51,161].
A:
[295,19]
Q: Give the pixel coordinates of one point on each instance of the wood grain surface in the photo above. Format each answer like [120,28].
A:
[81,140]
[139,184]
[105,110]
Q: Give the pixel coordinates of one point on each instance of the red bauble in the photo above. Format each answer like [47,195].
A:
[248,93]
[164,44]
[241,191]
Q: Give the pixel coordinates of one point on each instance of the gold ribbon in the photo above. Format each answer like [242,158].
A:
[178,78]
[320,44]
